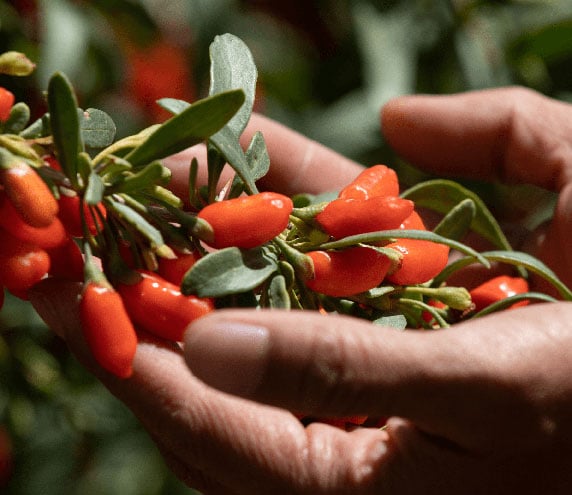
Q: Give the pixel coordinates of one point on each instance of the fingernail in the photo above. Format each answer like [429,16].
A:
[228,355]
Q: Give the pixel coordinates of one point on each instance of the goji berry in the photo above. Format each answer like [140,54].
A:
[420,261]
[52,162]
[347,272]
[71,211]
[66,261]
[108,331]
[45,237]
[378,180]
[413,222]
[21,264]
[248,221]
[157,306]
[6,103]
[426,315]
[29,194]
[497,289]
[345,217]
[173,270]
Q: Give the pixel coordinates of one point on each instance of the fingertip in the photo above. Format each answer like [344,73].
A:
[227,354]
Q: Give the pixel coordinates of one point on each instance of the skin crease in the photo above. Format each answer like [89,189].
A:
[479,409]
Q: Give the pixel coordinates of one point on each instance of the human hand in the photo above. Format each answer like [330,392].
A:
[460,434]
[481,405]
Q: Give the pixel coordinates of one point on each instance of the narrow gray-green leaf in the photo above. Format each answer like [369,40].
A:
[64,122]
[509,301]
[457,222]
[397,321]
[227,144]
[195,124]
[94,190]
[442,195]
[229,271]
[278,295]
[388,235]
[97,128]
[173,105]
[138,222]
[151,174]
[515,258]
[232,67]
[257,156]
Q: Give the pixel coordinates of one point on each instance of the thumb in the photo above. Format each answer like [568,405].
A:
[441,381]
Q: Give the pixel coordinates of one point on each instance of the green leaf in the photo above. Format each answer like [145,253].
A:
[94,190]
[443,195]
[458,221]
[173,105]
[509,301]
[397,321]
[278,295]
[151,174]
[389,235]
[195,124]
[232,67]
[257,156]
[97,128]
[138,222]
[515,258]
[64,121]
[228,146]
[229,271]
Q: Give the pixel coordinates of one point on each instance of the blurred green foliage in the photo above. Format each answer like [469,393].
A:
[325,69]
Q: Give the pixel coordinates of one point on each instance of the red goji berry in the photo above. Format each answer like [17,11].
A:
[497,289]
[52,162]
[248,221]
[6,103]
[21,264]
[66,261]
[71,211]
[50,236]
[413,222]
[159,307]
[29,194]
[378,180]
[426,315]
[345,217]
[173,270]
[420,262]
[108,331]
[347,272]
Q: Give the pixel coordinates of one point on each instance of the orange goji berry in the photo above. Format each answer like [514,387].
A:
[71,211]
[378,180]
[248,221]
[50,236]
[6,103]
[173,270]
[107,329]
[21,264]
[345,217]
[29,194]
[347,272]
[66,261]
[497,289]
[420,262]
[159,307]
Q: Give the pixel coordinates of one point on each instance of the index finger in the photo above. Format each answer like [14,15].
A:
[509,133]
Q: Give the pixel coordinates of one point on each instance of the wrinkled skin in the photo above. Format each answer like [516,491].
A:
[482,408]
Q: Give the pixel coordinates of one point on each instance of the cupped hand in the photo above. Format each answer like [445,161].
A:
[481,408]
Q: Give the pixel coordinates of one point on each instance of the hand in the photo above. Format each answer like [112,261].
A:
[483,406]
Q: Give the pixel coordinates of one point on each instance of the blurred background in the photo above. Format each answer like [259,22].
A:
[325,68]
